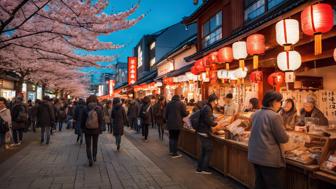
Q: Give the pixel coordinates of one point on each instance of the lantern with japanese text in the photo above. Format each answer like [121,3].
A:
[240,52]
[287,33]
[256,76]
[315,20]
[255,46]
[276,79]
[225,55]
[199,65]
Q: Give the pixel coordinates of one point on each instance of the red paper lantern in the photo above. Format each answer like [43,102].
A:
[276,79]
[256,77]
[225,55]
[168,80]
[194,70]
[255,46]
[212,58]
[315,20]
[199,66]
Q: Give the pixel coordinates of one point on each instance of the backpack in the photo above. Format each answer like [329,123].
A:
[92,120]
[195,119]
[3,126]
[62,114]
[22,115]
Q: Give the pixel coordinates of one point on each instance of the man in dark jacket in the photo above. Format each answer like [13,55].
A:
[119,119]
[45,118]
[207,125]
[79,110]
[146,116]
[133,113]
[175,112]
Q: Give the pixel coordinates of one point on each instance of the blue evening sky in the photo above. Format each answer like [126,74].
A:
[159,14]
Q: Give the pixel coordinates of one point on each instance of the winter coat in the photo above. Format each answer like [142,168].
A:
[289,118]
[267,135]
[316,113]
[78,116]
[101,126]
[119,120]
[17,124]
[5,114]
[62,114]
[146,114]
[107,115]
[175,112]
[159,111]
[207,119]
[45,116]
[133,110]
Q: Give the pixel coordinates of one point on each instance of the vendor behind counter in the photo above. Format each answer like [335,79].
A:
[310,110]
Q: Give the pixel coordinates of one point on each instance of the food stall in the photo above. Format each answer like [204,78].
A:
[291,61]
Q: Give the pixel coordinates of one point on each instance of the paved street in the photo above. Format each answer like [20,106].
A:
[63,164]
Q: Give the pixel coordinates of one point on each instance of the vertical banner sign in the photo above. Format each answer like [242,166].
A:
[132,70]
[111,86]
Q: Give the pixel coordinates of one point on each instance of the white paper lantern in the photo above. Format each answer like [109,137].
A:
[287,32]
[289,61]
[240,73]
[239,50]
[223,74]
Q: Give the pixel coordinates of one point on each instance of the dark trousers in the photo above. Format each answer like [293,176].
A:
[17,132]
[206,150]
[173,141]
[145,130]
[45,133]
[2,139]
[109,127]
[269,177]
[60,125]
[132,122]
[161,131]
[91,145]
[33,124]
[118,139]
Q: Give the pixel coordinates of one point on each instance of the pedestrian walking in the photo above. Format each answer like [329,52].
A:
[159,115]
[132,114]
[78,116]
[19,120]
[92,125]
[107,115]
[5,124]
[146,116]
[45,119]
[264,148]
[207,125]
[34,114]
[61,117]
[119,119]
[175,112]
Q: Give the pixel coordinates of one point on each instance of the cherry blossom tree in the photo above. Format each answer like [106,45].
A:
[38,34]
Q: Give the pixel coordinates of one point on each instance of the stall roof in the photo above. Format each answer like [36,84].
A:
[180,71]
[147,78]
[284,8]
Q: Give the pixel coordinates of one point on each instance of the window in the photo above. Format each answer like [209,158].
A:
[152,45]
[152,61]
[212,30]
[139,57]
[254,10]
[273,3]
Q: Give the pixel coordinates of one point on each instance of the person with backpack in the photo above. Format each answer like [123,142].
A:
[19,120]
[92,125]
[159,115]
[119,118]
[5,123]
[175,112]
[205,125]
[146,116]
[45,119]
[61,116]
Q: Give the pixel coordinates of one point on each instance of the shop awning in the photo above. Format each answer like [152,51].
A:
[148,78]
[180,71]
[121,85]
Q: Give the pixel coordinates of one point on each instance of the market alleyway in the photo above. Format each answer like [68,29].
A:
[63,164]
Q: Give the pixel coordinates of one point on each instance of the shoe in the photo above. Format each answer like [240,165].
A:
[176,156]
[90,163]
[118,147]
[94,159]
[203,172]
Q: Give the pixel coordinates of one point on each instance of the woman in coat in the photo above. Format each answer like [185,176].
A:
[310,110]
[92,125]
[264,148]
[146,116]
[119,120]
[159,113]
[288,114]
[107,115]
